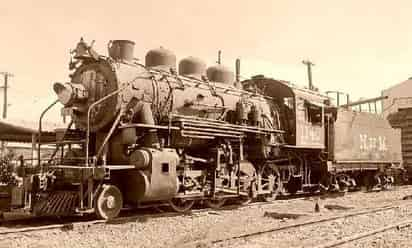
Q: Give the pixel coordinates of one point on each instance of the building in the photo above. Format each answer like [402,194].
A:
[397,107]
[21,136]
[398,96]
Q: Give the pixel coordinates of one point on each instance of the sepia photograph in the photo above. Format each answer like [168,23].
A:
[206,124]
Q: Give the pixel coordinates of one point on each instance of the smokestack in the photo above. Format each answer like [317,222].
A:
[121,49]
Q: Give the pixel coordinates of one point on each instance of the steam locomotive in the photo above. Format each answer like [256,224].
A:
[158,135]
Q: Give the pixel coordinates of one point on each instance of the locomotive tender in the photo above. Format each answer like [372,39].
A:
[153,134]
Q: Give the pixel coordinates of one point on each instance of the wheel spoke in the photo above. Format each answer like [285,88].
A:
[109,202]
[181,205]
[268,174]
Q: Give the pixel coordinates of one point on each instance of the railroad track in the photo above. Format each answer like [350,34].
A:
[351,238]
[32,223]
[334,243]
[69,225]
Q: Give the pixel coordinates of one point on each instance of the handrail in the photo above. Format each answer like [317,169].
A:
[39,135]
[93,105]
[64,135]
[116,122]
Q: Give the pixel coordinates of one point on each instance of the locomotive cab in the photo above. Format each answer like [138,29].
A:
[302,111]
[302,115]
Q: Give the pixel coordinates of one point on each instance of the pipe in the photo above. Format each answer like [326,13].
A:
[364,101]
[93,105]
[145,115]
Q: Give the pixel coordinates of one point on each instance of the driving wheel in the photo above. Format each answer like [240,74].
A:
[181,205]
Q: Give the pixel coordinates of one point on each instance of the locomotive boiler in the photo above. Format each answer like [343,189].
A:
[156,134]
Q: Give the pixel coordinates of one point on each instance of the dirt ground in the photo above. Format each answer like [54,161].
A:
[199,229]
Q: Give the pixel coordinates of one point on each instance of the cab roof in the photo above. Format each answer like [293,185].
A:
[275,88]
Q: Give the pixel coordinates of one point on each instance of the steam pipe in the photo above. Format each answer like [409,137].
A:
[145,115]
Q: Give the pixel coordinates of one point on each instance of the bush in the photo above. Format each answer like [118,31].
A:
[6,170]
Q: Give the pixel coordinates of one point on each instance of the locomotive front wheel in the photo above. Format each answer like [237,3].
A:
[215,203]
[108,203]
[181,205]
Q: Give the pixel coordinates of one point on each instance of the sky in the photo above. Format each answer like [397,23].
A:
[359,47]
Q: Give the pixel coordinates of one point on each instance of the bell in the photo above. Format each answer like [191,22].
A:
[81,50]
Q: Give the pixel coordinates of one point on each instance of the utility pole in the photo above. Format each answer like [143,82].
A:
[309,65]
[219,57]
[6,75]
[4,87]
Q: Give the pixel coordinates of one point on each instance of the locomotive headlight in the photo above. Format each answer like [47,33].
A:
[68,93]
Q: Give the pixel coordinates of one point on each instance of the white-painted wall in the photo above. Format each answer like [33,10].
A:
[399,96]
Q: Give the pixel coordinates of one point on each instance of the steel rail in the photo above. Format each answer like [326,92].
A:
[348,239]
[136,216]
[70,225]
[310,222]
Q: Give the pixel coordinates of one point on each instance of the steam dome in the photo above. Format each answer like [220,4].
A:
[192,67]
[161,59]
[220,74]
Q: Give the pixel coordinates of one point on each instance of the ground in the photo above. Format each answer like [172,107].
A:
[200,228]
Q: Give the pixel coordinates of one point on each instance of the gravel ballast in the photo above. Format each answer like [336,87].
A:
[199,229]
